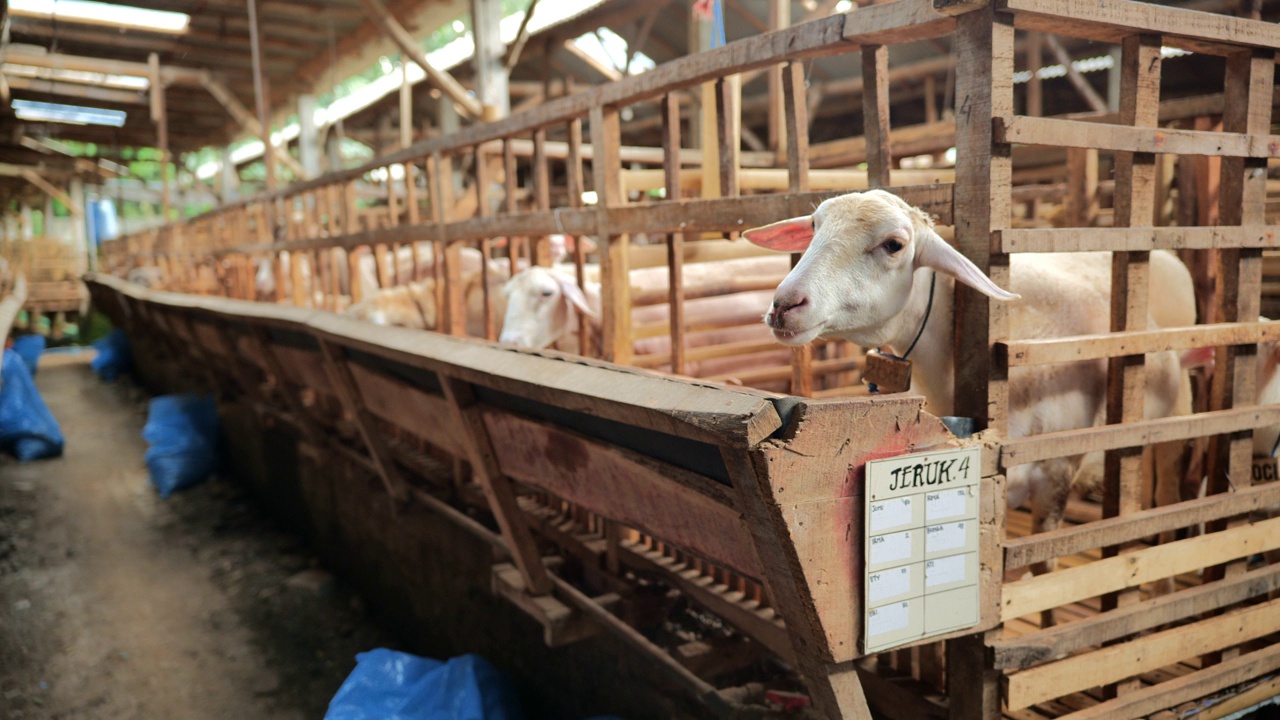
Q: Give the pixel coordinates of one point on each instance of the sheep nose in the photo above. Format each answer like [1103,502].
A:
[781,306]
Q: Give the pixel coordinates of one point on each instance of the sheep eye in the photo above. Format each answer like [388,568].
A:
[547,293]
[893,246]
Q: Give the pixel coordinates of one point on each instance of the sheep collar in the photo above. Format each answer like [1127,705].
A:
[888,372]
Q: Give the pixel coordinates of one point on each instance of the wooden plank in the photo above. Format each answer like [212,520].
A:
[1117,662]
[1060,640]
[575,182]
[675,241]
[984,46]
[1024,353]
[1030,549]
[498,488]
[896,23]
[1135,238]
[675,505]
[615,291]
[714,215]
[339,371]
[797,114]
[1019,451]
[875,113]
[415,410]
[1188,687]
[1043,592]
[1056,132]
[728,132]
[1118,18]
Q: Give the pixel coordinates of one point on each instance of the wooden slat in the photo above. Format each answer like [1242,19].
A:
[1056,132]
[1019,451]
[1029,549]
[1043,592]
[1023,353]
[1139,655]
[1058,641]
[681,507]
[1188,687]
[1021,240]
[1117,18]
[498,488]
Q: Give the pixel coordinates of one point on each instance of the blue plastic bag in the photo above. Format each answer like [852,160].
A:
[27,428]
[390,685]
[182,431]
[113,355]
[29,347]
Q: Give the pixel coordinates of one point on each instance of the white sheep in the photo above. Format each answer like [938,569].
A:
[544,304]
[869,262]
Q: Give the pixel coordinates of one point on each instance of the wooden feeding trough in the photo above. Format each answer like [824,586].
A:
[754,504]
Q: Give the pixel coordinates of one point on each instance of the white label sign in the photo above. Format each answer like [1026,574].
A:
[941,538]
[921,521]
[889,583]
[891,547]
[890,514]
[888,618]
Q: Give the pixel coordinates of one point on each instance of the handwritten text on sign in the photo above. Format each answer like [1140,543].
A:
[921,545]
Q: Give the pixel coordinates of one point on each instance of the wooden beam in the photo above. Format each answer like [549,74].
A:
[247,121]
[75,90]
[439,78]
[522,37]
[1076,133]
[1078,80]
[58,61]
[34,178]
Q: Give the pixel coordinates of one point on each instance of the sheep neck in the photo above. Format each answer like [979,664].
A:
[932,361]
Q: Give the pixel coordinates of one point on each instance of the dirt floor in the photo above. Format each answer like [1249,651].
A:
[116,604]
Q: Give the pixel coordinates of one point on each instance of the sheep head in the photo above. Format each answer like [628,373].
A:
[861,252]
[541,307]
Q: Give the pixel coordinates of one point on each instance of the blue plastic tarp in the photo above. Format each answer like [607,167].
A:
[182,431]
[390,685]
[29,348]
[113,355]
[27,428]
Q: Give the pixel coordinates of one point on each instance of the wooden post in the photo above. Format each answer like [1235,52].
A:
[1126,376]
[875,113]
[308,137]
[615,291]
[728,135]
[779,17]
[541,194]
[797,115]
[490,71]
[1242,201]
[576,184]
[675,241]
[984,43]
[1035,88]
[160,116]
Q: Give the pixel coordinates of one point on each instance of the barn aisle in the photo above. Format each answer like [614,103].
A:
[116,604]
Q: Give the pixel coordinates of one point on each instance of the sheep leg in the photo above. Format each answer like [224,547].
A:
[1051,485]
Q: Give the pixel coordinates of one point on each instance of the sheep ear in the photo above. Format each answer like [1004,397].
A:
[792,235]
[934,252]
[573,294]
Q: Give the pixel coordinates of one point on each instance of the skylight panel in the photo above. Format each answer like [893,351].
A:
[610,49]
[98,13]
[69,114]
